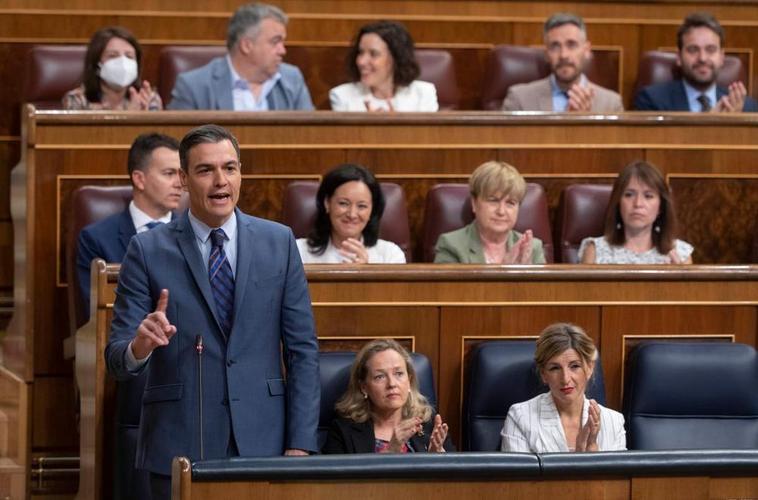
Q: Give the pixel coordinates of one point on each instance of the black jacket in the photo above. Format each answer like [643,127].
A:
[347,436]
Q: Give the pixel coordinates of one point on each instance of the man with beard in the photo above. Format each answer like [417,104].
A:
[567,50]
[700,40]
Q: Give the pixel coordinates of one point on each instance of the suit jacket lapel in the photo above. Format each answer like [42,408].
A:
[545,95]
[245,250]
[188,245]
[679,98]
[363,437]
[222,84]
[126,229]
[475,250]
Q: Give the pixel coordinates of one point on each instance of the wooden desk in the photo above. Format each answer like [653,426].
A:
[445,310]
[710,162]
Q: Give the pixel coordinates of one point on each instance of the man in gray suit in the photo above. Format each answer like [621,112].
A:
[252,76]
[567,50]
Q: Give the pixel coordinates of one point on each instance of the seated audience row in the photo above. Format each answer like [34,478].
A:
[384,72]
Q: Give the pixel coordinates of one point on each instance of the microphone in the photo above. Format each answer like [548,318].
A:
[199,350]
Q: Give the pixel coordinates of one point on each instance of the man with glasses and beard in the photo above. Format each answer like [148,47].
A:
[567,50]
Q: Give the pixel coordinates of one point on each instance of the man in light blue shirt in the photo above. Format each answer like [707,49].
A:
[252,76]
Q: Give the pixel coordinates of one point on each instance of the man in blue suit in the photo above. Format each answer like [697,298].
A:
[700,39]
[252,76]
[237,283]
[153,166]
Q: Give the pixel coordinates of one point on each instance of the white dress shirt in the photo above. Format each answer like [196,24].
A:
[535,426]
[140,219]
[418,96]
[243,97]
[693,94]
[384,252]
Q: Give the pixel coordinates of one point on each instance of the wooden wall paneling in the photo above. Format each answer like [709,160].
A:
[462,327]
[54,425]
[724,200]
[713,320]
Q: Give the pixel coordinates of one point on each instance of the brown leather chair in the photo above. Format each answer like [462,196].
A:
[299,212]
[511,64]
[437,67]
[89,204]
[657,66]
[177,59]
[448,207]
[51,71]
[581,213]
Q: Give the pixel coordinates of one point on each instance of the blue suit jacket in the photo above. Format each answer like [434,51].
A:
[671,96]
[210,87]
[244,390]
[106,239]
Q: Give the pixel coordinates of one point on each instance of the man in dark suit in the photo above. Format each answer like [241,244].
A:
[237,283]
[153,167]
[700,40]
[252,76]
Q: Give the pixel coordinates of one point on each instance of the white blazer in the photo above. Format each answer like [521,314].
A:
[418,96]
[535,426]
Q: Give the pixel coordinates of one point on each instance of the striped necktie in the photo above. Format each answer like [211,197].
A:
[705,103]
[222,281]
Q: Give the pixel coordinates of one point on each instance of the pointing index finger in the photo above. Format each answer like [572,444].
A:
[162,301]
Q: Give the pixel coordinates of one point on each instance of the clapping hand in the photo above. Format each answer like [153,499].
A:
[521,251]
[580,98]
[439,434]
[154,331]
[586,440]
[733,101]
[139,100]
[353,251]
[403,432]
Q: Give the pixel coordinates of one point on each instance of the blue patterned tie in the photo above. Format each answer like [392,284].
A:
[153,224]
[222,281]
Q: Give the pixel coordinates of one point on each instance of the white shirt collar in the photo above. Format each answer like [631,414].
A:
[693,94]
[243,97]
[140,219]
[203,231]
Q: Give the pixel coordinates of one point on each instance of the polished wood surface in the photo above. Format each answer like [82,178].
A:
[443,311]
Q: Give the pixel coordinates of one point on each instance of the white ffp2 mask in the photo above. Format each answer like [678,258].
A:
[120,71]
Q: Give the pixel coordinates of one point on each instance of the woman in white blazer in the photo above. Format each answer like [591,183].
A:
[563,419]
[383,67]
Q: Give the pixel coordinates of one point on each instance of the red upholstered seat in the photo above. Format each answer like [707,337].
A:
[299,212]
[657,66]
[177,59]
[51,71]
[448,207]
[89,204]
[437,67]
[581,214]
[511,64]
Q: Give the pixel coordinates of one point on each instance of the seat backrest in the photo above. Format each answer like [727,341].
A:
[299,212]
[688,395]
[437,67]
[657,66]
[177,59]
[448,207]
[334,372]
[499,374]
[581,214]
[51,71]
[511,64]
[89,204]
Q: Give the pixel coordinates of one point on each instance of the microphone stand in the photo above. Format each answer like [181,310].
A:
[199,349]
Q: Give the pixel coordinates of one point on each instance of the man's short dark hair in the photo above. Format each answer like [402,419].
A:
[561,18]
[143,147]
[251,16]
[699,20]
[204,134]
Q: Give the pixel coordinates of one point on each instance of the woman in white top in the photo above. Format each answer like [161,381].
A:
[640,223]
[349,207]
[383,67]
[563,420]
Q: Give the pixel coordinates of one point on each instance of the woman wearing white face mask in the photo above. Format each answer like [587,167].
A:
[111,75]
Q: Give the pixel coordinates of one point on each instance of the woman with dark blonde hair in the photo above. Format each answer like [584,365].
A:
[111,79]
[640,223]
[563,419]
[382,410]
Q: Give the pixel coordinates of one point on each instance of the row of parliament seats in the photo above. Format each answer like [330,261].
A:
[55,69]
